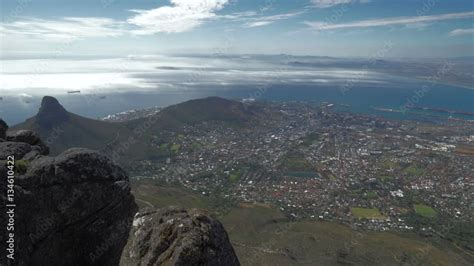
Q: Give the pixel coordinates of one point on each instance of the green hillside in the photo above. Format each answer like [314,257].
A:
[127,140]
[262,235]
[195,111]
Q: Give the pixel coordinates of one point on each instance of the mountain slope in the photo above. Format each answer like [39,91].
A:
[196,111]
[127,140]
[62,130]
[211,108]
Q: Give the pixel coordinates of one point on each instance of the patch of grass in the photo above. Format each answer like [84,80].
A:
[210,146]
[388,164]
[366,213]
[235,176]
[414,170]
[175,147]
[147,192]
[425,211]
[164,146]
[295,162]
[386,178]
[371,195]
[196,146]
[21,166]
[310,139]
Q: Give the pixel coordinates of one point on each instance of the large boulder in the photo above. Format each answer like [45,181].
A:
[73,209]
[3,129]
[28,137]
[77,209]
[174,236]
[16,149]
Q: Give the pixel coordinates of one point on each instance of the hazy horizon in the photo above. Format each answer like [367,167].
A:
[179,47]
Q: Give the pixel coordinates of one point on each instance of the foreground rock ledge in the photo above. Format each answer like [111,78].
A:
[73,209]
[174,236]
[77,209]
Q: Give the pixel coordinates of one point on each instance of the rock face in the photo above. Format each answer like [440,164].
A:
[174,236]
[28,137]
[73,209]
[77,209]
[3,129]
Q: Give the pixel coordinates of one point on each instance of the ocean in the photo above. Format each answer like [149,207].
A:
[356,98]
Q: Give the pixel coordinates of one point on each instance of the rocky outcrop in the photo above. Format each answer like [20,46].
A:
[175,236]
[73,209]
[3,129]
[30,138]
[77,209]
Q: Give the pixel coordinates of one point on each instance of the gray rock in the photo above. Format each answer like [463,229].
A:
[25,136]
[73,166]
[29,137]
[17,149]
[77,209]
[73,209]
[3,129]
[175,236]
[32,155]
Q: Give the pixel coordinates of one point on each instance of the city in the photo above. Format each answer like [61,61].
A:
[314,162]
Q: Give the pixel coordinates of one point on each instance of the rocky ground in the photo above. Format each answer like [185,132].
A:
[77,209]
[173,236]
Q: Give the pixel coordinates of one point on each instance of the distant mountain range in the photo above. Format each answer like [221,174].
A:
[130,139]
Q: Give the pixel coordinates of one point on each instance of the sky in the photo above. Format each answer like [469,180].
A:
[53,47]
[339,28]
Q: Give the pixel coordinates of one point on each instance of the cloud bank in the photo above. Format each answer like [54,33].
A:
[63,29]
[267,20]
[181,16]
[458,32]
[330,3]
[318,25]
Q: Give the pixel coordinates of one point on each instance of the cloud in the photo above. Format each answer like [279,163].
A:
[267,20]
[239,15]
[63,29]
[458,32]
[258,24]
[181,16]
[317,25]
[152,73]
[330,3]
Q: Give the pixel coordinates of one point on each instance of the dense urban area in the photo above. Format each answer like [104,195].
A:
[315,162]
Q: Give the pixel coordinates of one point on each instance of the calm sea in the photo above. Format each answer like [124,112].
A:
[358,99]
